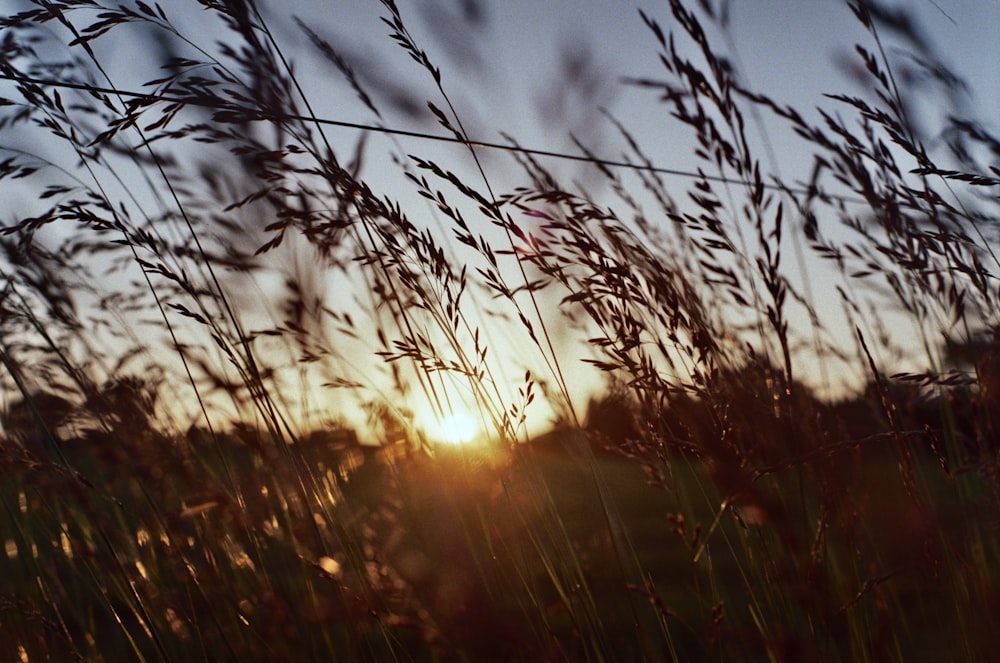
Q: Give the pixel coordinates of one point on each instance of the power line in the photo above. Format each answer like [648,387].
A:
[609,163]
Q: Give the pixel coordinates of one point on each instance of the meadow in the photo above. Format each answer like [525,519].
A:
[225,339]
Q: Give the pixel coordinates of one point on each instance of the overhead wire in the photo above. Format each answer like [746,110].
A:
[262,115]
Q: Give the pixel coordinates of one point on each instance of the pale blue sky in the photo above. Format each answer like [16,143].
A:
[505,69]
[508,70]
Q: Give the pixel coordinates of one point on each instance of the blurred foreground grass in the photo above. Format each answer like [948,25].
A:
[561,551]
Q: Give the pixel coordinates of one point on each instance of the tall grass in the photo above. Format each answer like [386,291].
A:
[175,485]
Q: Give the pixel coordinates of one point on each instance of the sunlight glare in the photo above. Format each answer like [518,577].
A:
[457,428]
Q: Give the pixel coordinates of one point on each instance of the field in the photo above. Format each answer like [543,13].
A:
[562,554]
[233,353]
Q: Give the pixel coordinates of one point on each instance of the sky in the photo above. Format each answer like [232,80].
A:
[507,65]
[542,71]
[509,72]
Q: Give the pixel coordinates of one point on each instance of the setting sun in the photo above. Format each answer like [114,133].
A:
[455,428]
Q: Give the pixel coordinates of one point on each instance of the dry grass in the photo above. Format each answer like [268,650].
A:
[172,487]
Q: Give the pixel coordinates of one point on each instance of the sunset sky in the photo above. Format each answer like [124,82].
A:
[505,66]
[544,71]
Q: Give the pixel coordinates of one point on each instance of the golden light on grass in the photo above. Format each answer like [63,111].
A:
[330,566]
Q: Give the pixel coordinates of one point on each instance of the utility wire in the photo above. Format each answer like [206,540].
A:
[255,114]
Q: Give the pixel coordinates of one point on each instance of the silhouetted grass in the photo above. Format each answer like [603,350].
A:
[175,485]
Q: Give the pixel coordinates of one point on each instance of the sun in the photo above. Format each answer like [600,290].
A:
[456,429]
